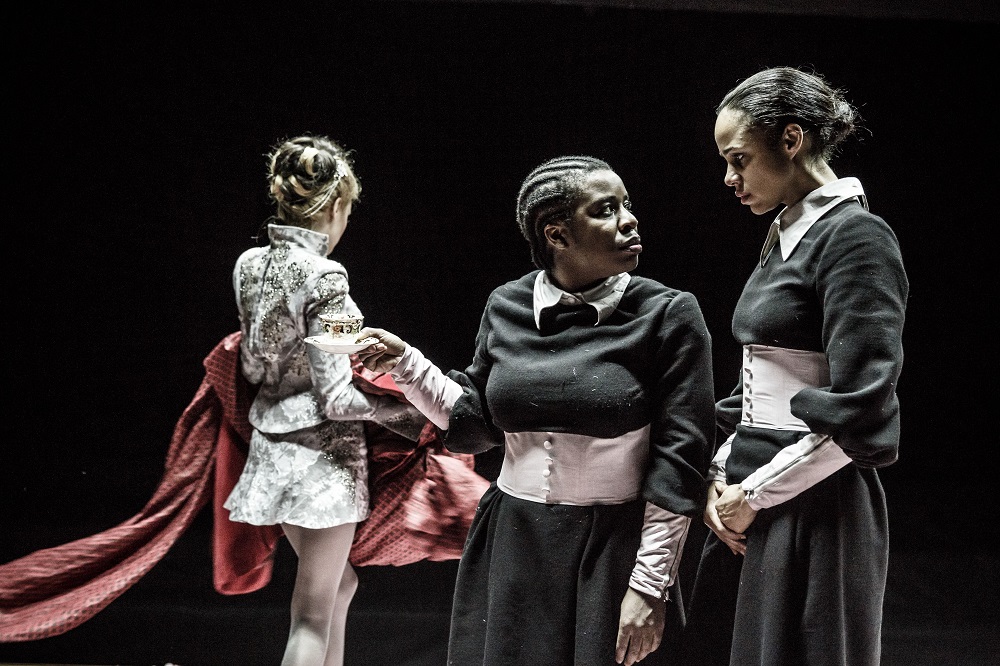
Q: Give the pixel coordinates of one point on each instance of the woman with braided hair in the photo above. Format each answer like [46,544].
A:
[598,384]
[306,469]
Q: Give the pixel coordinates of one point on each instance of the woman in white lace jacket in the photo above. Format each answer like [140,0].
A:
[307,465]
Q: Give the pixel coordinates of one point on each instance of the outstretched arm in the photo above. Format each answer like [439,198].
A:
[422,383]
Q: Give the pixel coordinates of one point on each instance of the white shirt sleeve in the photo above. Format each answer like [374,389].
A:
[426,387]
[794,469]
[660,549]
[717,470]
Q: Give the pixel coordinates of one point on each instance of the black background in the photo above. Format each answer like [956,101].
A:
[136,177]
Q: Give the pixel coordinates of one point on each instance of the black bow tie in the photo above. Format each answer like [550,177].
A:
[559,317]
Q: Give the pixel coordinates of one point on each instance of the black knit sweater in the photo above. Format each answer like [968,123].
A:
[649,362]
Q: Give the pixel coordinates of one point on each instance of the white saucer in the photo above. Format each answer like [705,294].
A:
[327,344]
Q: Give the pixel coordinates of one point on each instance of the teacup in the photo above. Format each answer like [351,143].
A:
[342,327]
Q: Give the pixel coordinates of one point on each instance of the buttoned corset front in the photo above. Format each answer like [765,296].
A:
[771,376]
[566,468]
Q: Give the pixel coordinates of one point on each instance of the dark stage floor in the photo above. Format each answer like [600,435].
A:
[940,611]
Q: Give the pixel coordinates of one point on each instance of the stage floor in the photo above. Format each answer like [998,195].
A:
[939,611]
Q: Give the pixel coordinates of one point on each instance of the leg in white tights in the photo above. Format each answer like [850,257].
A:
[338,623]
[313,640]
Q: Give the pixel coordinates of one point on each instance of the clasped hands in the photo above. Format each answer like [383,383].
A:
[728,515]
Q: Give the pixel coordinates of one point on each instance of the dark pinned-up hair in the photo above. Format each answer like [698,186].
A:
[305,174]
[775,97]
[547,195]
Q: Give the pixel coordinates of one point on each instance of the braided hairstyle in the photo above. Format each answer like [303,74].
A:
[772,98]
[547,196]
[305,174]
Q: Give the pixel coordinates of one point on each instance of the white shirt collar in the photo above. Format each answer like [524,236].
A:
[604,297]
[794,221]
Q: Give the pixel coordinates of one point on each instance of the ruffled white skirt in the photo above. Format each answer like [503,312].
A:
[314,478]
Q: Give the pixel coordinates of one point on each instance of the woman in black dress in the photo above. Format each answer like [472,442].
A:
[598,384]
[794,488]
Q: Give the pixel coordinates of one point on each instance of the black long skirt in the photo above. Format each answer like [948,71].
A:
[542,584]
[707,637]
[811,588]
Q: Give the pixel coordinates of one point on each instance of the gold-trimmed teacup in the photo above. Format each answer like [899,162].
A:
[342,327]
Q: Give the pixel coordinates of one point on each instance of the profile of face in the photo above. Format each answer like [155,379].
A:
[761,175]
[600,239]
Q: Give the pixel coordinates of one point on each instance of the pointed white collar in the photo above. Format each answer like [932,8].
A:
[794,221]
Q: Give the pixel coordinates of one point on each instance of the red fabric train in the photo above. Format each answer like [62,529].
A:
[423,501]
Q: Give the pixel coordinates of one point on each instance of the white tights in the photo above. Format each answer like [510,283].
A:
[325,583]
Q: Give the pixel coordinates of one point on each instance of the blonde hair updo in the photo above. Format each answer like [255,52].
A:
[307,173]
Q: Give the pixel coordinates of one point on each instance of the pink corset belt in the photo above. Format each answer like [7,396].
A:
[771,376]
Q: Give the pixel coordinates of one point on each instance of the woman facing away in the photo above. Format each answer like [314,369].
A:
[598,384]
[795,491]
[306,469]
